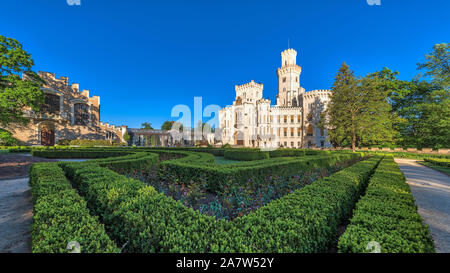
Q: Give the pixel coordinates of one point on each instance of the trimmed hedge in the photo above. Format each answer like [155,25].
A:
[308,219]
[387,215]
[61,216]
[246,155]
[219,176]
[444,162]
[147,221]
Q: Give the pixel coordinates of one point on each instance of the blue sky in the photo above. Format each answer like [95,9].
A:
[144,57]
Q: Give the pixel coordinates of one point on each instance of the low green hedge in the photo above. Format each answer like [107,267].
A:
[386,214]
[444,162]
[246,155]
[78,153]
[308,219]
[219,176]
[61,216]
[146,221]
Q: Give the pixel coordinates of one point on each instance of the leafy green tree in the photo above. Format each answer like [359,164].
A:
[16,93]
[7,139]
[437,65]
[358,112]
[420,107]
[126,137]
[146,125]
[167,125]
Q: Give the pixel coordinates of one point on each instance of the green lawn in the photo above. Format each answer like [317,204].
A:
[436,167]
[222,160]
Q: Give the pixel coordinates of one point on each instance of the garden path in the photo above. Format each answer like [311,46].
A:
[431,190]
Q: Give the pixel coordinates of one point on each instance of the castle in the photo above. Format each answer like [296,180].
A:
[67,114]
[292,123]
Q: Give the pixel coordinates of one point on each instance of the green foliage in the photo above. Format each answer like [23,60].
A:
[60,215]
[167,125]
[246,155]
[444,162]
[15,93]
[126,137]
[90,142]
[387,215]
[146,125]
[6,138]
[358,112]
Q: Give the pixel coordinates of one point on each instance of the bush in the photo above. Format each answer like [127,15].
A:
[444,162]
[219,176]
[246,155]
[308,219]
[151,222]
[6,138]
[387,214]
[60,215]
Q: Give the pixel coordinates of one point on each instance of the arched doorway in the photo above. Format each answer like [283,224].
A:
[239,138]
[47,134]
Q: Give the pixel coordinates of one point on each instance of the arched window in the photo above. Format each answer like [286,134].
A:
[51,104]
[81,114]
[310,130]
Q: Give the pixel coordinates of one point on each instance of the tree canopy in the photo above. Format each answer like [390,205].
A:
[380,109]
[16,93]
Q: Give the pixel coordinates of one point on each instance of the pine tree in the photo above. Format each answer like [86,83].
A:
[359,112]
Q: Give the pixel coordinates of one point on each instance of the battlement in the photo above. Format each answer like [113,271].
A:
[246,86]
[288,57]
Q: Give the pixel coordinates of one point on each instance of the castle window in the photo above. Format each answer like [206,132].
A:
[298,131]
[298,118]
[51,104]
[309,117]
[284,79]
[285,132]
[296,79]
[292,133]
[292,119]
[81,114]
[285,119]
[298,144]
[310,131]
[292,144]
[321,132]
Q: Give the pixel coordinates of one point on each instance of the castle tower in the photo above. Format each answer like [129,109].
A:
[288,79]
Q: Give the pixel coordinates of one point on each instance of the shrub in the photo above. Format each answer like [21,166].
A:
[308,219]
[387,214]
[246,155]
[61,216]
[6,138]
[151,222]
[444,162]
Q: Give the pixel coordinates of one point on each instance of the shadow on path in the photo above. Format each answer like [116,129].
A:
[431,190]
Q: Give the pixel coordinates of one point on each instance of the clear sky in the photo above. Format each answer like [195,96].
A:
[143,57]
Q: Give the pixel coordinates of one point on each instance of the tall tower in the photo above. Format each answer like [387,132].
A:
[288,79]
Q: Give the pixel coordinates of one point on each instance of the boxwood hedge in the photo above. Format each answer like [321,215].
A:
[387,215]
[61,215]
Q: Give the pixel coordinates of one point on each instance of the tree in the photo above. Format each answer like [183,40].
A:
[437,65]
[358,112]
[343,107]
[146,125]
[126,137]
[167,125]
[16,93]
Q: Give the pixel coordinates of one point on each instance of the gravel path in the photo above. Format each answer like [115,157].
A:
[16,213]
[431,190]
[16,210]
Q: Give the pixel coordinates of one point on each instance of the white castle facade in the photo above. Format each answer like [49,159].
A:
[292,123]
